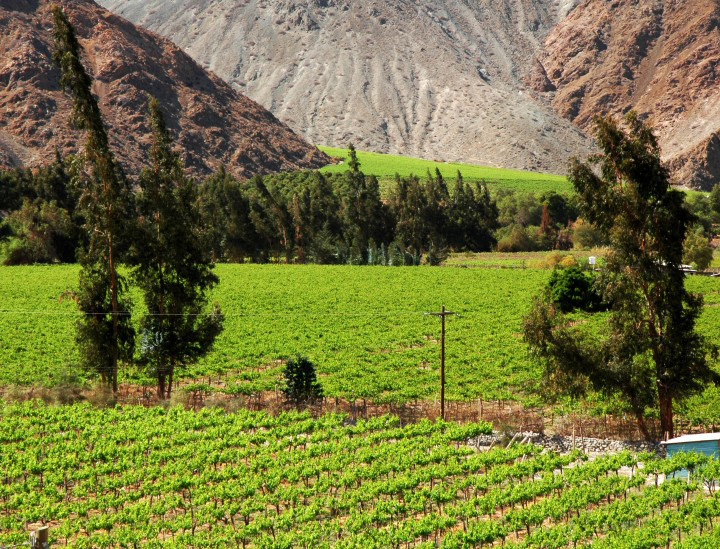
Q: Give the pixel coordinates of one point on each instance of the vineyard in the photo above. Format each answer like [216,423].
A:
[133,476]
[364,327]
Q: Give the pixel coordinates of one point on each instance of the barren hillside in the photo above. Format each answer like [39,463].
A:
[437,79]
[659,57]
[215,124]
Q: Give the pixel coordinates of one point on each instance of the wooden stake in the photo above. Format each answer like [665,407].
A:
[40,538]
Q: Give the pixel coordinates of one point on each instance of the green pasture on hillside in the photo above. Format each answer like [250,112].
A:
[385,166]
[365,328]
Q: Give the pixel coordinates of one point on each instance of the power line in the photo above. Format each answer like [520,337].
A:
[249,314]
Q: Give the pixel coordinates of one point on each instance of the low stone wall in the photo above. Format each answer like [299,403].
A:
[564,444]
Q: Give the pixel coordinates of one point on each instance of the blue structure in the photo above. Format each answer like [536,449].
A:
[706,443]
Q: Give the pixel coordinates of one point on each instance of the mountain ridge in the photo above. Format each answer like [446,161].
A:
[214,124]
[658,57]
[497,82]
[433,79]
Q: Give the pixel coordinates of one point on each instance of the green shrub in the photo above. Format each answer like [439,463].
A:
[572,288]
[586,235]
[517,241]
[697,251]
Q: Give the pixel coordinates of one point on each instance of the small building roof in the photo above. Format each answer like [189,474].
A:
[703,437]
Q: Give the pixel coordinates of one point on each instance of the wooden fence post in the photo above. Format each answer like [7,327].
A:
[40,538]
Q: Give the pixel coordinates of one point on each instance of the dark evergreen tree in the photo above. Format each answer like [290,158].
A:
[473,218]
[229,230]
[172,266]
[301,384]
[213,201]
[104,200]
[409,205]
[364,216]
[353,162]
[325,221]
[437,220]
[13,188]
[484,220]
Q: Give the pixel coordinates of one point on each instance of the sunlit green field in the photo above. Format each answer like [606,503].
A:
[365,328]
[385,166]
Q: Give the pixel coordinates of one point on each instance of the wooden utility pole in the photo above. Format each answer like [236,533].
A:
[442,314]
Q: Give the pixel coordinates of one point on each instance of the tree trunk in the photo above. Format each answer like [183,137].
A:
[161,386]
[666,411]
[288,251]
[642,425]
[113,295]
[170,377]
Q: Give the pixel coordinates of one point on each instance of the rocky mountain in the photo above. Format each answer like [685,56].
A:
[430,78]
[659,57]
[214,123]
[462,80]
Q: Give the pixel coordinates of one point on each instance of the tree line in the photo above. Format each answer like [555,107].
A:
[302,217]
[312,217]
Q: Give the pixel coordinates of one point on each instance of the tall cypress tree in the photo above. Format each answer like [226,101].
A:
[436,212]
[172,265]
[649,352]
[105,335]
[409,204]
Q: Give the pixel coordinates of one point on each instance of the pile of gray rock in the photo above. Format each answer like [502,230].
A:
[563,444]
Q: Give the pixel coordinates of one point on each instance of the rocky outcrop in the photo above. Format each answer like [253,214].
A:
[213,123]
[698,167]
[658,57]
[537,78]
[435,79]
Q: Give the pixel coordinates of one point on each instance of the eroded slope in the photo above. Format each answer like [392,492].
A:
[435,79]
[659,57]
